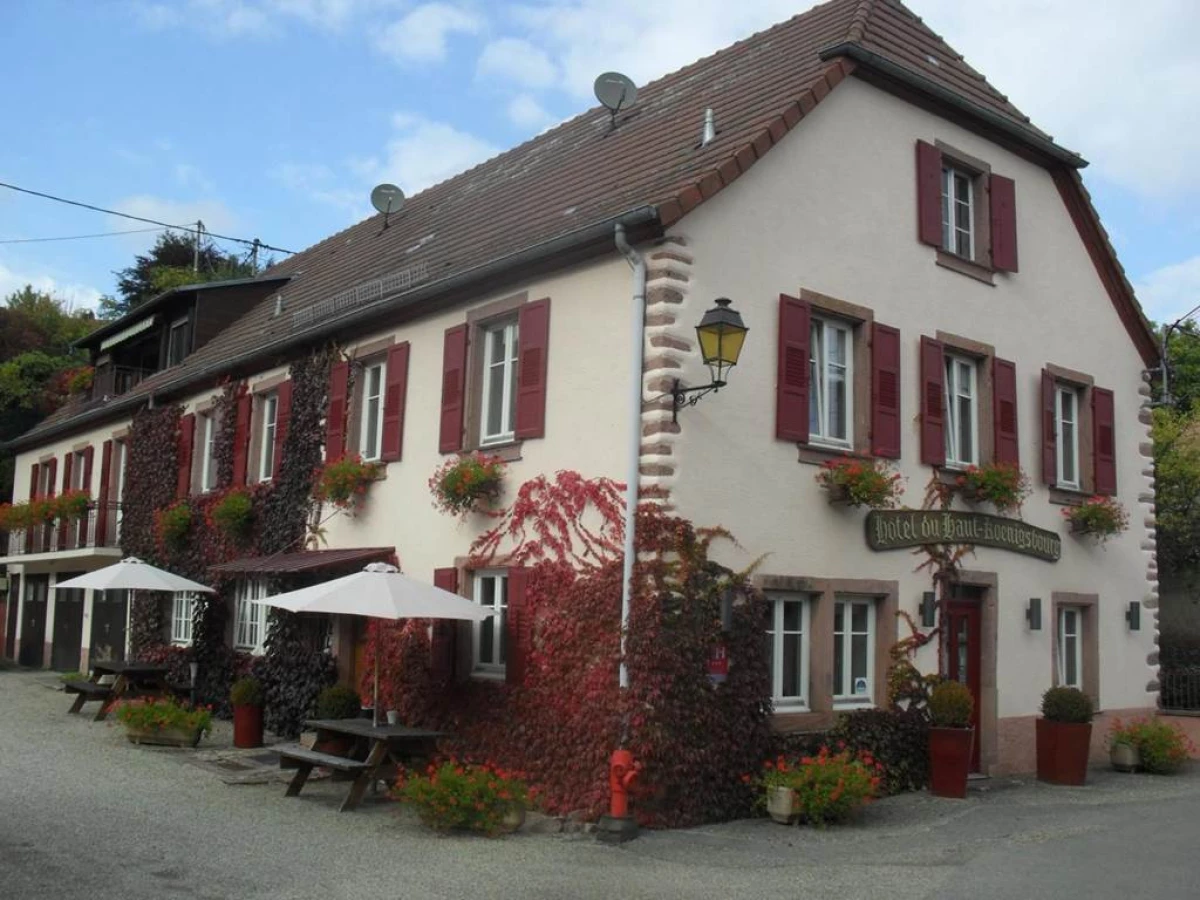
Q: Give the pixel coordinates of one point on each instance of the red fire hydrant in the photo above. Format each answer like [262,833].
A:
[622,772]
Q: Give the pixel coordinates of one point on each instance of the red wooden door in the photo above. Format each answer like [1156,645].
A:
[964,659]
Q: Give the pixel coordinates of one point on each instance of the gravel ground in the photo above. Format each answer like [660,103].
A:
[85,814]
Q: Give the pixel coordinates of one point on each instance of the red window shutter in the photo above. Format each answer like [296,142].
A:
[283,415]
[520,626]
[1004,223]
[1104,441]
[35,472]
[394,399]
[929,194]
[187,441]
[885,391]
[102,502]
[443,648]
[1049,438]
[454,374]
[933,402]
[68,465]
[335,417]
[241,439]
[1004,412]
[533,335]
[791,376]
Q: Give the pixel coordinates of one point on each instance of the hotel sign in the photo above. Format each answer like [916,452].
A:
[897,529]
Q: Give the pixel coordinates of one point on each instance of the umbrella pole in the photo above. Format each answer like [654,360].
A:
[375,706]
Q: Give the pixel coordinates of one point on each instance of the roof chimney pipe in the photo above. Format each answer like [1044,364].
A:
[710,128]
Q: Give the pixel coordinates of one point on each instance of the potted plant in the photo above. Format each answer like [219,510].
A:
[71,506]
[780,794]
[861,482]
[164,722]
[247,698]
[951,738]
[1152,745]
[172,523]
[458,795]
[466,483]
[233,515]
[1123,748]
[344,483]
[1003,485]
[1101,517]
[338,702]
[1064,736]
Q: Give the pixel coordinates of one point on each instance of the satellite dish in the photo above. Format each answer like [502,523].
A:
[387,198]
[615,91]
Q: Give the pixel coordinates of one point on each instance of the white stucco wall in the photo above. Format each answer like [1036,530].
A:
[833,209]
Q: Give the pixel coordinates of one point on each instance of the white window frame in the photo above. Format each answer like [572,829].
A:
[951,199]
[183,608]
[499,621]
[250,622]
[368,414]
[506,369]
[778,636]
[208,456]
[820,369]
[268,422]
[1075,636]
[78,470]
[1064,447]
[175,326]
[45,484]
[845,636]
[954,392]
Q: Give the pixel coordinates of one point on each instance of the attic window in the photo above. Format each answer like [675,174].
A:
[177,342]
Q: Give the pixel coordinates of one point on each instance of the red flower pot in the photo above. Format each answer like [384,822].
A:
[247,726]
[950,761]
[1062,751]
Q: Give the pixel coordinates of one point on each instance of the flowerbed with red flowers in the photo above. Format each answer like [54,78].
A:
[1099,516]
[861,482]
[829,786]
[460,795]
[163,715]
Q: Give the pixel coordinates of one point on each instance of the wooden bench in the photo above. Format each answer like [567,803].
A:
[87,691]
[306,760]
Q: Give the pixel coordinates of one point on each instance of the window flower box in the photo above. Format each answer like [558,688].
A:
[1003,485]
[467,483]
[1101,517]
[344,483]
[861,482]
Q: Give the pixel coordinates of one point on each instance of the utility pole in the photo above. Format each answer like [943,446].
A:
[196,247]
[254,256]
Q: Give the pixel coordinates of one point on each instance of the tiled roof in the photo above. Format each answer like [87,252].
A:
[585,173]
[307,561]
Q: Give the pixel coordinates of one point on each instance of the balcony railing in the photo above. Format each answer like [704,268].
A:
[101,527]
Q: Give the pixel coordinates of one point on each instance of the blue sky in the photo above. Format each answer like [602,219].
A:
[273,118]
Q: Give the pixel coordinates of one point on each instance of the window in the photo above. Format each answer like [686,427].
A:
[177,342]
[270,409]
[962,411]
[78,471]
[788,650]
[499,382]
[371,426]
[117,488]
[251,615]
[958,212]
[208,453]
[46,474]
[854,652]
[1066,425]
[182,608]
[1070,646]
[830,382]
[490,635]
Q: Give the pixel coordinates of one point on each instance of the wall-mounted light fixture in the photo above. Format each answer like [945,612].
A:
[928,609]
[1033,614]
[721,335]
[1133,615]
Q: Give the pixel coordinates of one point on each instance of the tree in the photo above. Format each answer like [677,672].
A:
[169,264]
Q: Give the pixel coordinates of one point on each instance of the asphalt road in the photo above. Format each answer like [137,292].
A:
[83,814]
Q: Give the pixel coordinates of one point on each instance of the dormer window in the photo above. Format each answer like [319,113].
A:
[177,342]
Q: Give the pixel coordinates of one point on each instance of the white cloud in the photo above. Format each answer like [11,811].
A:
[1170,292]
[423,152]
[77,296]
[513,61]
[526,112]
[228,18]
[215,215]
[421,35]
[326,14]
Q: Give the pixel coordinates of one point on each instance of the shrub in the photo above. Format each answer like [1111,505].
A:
[1164,748]
[1099,516]
[829,786]
[457,795]
[344,482]
[861,482]
[233,515]
[950,705]
[465,483]
[338,702]
[157,715]
[247,691]
[1067,704]
[1003,485]
[897,739]
[172,524]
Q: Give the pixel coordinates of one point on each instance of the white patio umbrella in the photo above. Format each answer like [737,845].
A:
[131,574]
[381,591]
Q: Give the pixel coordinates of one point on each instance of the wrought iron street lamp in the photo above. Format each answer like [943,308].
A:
[721,334]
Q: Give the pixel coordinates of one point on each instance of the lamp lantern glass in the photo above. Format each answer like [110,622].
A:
[721,334]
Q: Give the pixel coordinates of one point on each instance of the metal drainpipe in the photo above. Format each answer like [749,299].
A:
[632,475]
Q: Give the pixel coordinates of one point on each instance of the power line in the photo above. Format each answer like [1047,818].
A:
[78,237]
[113,212]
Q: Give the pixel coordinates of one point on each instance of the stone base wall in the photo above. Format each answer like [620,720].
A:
[1017,743]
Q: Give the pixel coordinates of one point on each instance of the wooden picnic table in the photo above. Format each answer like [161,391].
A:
[355,747]
[130,679]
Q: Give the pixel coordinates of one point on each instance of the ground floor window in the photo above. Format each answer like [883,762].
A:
[489,645]
[787,642]
[854,651]
[251,615]
[1070,647]
[183,607]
